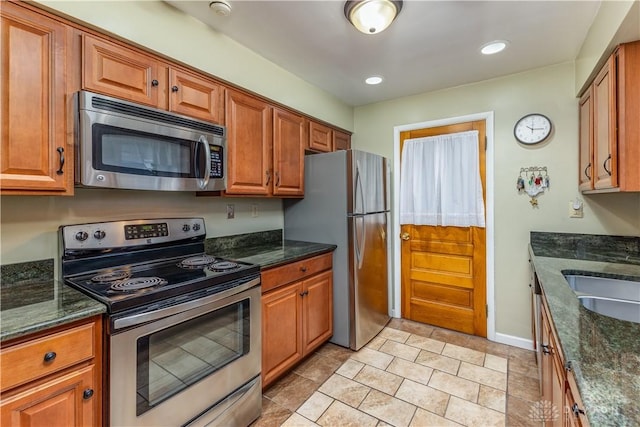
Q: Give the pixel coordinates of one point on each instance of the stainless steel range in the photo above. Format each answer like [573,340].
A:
[183,329]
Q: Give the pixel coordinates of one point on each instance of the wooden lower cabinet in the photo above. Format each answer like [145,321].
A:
[297,317]
[54,378]
[560,404]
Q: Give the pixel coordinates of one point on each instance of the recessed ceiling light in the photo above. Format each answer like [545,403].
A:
[220,7]
[494,47]
[373,80]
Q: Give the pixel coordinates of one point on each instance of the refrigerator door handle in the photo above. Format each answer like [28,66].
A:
[358,223]
[359,192]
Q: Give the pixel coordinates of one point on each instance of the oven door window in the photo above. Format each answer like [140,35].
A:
[174,358]
[140,153]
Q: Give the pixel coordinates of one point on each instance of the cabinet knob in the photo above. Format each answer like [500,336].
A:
[303,269]
[154,82]
[546,349]
[60,151]
[50,356]
[174,88]
[87,393]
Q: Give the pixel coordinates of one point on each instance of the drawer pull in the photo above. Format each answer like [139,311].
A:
[60,151]
[87,394]
[576,410]
[303,269]
[546,349]
[50,356]
[604,165]
[302,294]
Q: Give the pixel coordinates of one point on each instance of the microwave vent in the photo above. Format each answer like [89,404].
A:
[156,115]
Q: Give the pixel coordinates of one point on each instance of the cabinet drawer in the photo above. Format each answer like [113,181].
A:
[26,362]
[298,270]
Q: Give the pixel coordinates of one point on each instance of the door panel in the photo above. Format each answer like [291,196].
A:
[369,289]
[444,268]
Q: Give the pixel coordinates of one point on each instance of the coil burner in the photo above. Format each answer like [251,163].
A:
[223,266]
[199,261]
[111,276]
[137,283]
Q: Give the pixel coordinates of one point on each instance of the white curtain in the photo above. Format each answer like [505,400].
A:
[440,181]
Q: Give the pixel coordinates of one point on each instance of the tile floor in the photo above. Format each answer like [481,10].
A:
[411,374]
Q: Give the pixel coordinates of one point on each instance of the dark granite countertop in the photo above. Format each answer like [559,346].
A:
[36,305]
[273,254]
[604,352]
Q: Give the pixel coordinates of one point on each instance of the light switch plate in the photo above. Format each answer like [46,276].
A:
[231,212]
[573,212]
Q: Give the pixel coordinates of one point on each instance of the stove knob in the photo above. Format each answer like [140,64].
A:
[186,228]
[99,234]
[82,236]
[196,227]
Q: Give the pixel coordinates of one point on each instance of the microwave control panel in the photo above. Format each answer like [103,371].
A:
[216,162]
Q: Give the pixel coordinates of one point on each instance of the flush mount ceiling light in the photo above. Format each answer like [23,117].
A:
[372,16]
[373,80]
[220,7]
[493,47]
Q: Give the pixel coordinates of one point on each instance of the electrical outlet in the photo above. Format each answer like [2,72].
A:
[575,209]
[231,212]
[254,210]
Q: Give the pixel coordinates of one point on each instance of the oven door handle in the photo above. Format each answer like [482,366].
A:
[151,316]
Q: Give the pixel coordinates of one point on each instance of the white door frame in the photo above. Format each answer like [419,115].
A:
[396,291]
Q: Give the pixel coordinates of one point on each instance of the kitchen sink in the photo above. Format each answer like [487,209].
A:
[617,308]
[604,287]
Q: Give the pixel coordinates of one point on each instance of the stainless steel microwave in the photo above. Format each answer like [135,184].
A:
[125,145]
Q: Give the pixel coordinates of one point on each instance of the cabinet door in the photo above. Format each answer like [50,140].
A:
[317,310]
[574,412]
[196,96]
[552,383]
[320,137]
[289,135]
[585,179]
[281,332]
[35,153]
[117,71]
[341,141]
[60,401]
[605,146]
[249,144]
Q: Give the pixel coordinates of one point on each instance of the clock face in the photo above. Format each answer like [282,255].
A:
[532,129]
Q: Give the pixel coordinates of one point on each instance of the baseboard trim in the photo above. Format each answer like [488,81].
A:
[514,341]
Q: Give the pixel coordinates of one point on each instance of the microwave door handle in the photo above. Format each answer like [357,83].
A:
[207,169]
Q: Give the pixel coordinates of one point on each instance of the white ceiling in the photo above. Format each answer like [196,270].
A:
[431,45]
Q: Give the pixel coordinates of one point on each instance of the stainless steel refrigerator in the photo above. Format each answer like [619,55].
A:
[346,203]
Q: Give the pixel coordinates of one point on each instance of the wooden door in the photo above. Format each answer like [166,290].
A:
[444,268]
[289,135]
[585,181]
[317,310]
[196,96]
[281,332]
[605,146]
[249,144]
[61,402]
[111,69]
[35,155]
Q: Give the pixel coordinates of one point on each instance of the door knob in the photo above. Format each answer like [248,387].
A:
[405,236]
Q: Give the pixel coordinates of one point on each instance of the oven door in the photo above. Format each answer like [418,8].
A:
[198,357]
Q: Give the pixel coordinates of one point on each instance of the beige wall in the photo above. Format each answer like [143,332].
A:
[549,91]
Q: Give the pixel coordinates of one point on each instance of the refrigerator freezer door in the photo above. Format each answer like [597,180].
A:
[368,177]
[369,288]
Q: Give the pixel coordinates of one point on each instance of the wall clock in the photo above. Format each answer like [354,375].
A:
[532,128]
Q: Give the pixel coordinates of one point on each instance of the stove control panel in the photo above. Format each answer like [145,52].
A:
[118,234]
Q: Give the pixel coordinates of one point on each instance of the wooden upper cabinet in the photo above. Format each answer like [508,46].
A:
[289,136]
[114,70]
[605,148]
[612,104]
[585,178]
[249,144]
[341,141]
[195,96]
[37,156]
[320,137]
